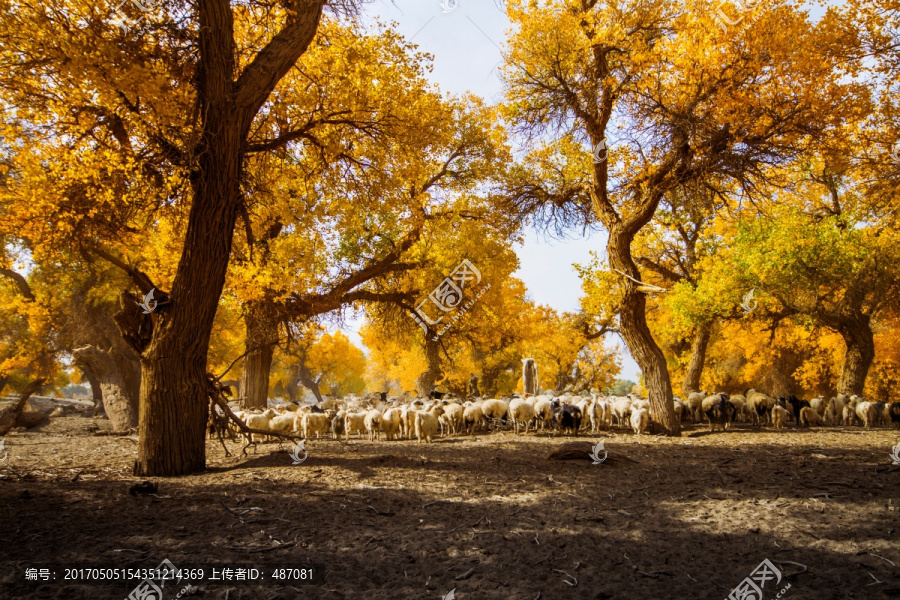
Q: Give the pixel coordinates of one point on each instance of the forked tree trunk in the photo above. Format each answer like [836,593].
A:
[640,342]
[174,387]
[117,372]
[860,353]
[426,381]
[174,340]
[698,359]
[309,382]
[262,338]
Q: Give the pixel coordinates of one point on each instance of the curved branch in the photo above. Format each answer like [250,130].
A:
[20,282]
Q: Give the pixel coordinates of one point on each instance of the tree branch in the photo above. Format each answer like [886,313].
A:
[20,282]
[260,77]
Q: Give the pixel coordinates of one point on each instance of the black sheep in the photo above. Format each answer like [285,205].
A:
[565,416]
[793,405]
[894,411]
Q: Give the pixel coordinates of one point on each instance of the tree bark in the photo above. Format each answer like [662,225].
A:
[96,393]
[425,383]
[261,339]
[698,359]
[309,382]
[291,387]
[637,335]
[9,414]
[117,374]
[530,381]
[489,381]
[860,353]
[174,385]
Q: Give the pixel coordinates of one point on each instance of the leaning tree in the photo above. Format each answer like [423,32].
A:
[664,99]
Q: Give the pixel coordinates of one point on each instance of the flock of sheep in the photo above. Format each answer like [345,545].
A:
[407,417]
[756,407]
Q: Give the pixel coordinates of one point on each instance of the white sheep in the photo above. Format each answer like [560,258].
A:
[809,416]
[286,423]
[494,409]
[597,414]
[678,406]
[640,420]
[472,417]
[866,412]
[819,404]
[758,405]
[695,405]
[372,422]
[315,423]
[390,423]
[542,411]
[848,416]
[779,417]
[520,412]
[452,418]
[261,421]
[425,425]
[621,410]
[834,410]
[354,423]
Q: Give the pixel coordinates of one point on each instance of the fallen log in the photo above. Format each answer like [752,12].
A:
[582,451]
[10,414]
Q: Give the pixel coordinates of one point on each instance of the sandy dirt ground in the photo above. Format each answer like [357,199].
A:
[489,516]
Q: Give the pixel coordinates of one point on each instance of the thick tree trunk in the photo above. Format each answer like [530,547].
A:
[117,372]
[698,358]
[174,340]
[426,381]
[262,338]
[640,342]
[174,396]
[96,392]
[859,355]
[489,382]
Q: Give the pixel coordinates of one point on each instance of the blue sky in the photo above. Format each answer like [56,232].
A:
[465,38]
